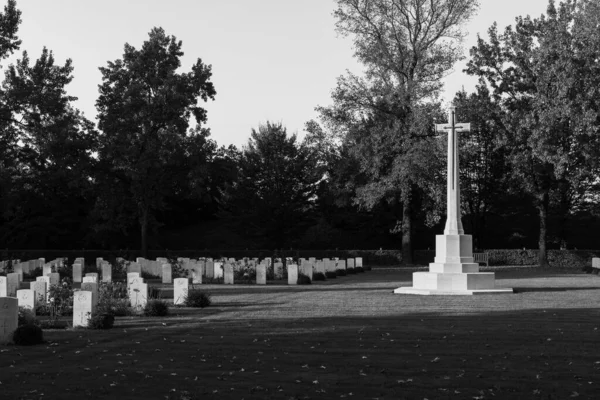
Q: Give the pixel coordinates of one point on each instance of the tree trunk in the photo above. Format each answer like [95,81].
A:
[144,231]
[407,230]
[543,209]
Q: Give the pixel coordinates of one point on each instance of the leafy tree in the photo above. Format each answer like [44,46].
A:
[545,75]
[483,169]
[45,149]
[386,117]
[144,110]
[274,194]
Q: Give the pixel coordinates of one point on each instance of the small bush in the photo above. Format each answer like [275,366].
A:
[101,321]
[28,335]
[197,298]
[148,276]
[351,271]
[27,317]
[318,276]
[330,274]
[359,270]
[340,272]
[367,268]
[156,308]
[304,279]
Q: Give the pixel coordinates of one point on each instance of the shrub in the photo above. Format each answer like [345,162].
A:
[26,317]
[330,274]
[587,269]
[101,321]
[156,308]
[303,279]
[197,298]
[28,335]
[367,268]
[359,270]
[340,272]
[243,273]
[318,276]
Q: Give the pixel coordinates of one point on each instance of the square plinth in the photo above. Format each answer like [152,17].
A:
[428,292]
[444,283]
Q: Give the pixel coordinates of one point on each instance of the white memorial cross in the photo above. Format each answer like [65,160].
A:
[453,222]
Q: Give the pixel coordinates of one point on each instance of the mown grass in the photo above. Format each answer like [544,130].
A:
[343,338]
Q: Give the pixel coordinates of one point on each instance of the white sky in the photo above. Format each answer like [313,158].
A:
[272,59]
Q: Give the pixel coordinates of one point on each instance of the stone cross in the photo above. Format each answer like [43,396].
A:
[453,222]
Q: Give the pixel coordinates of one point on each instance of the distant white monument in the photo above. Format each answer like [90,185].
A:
[453,271]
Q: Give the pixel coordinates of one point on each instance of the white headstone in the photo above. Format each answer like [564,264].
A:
[307,269]
[138,295]
[228,278]
[320,267]
[77,272]
[350,263]
[3,286]
[47,269]
[341,264]
[292,274]
[218,270]
[26,298]
[82,308]
[18,269]
[167,273]
[9,318]
[12,284]
[87,279]
[134,267]
[358,262]
[45,279]
[54,278]
[261,274]
[106,272]
[41,291]
[99,261]
[329,265]
[197,272]
[209,269]
[180,290]
[93,288]
[93,275]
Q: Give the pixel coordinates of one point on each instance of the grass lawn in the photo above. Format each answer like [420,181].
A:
[349,337]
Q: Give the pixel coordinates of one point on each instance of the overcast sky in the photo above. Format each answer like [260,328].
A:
[272,59]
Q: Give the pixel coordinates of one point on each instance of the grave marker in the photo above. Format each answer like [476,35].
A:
[134,267]
[82,308]
[93,275]
[3,286]
[93,288]
[358,262]
[54,279]
[209,269]
[41,291]
[106,272]
[320,267]
[292,274]
[138,295]
[218,270]
[26,299]
[228,279]
[77,272]
[180,290]
[261,274]
[9,318]
[167,273]
[12,284]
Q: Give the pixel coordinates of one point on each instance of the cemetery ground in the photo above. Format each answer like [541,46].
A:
[348,337]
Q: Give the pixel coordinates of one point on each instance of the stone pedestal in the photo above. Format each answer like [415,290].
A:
[453,271]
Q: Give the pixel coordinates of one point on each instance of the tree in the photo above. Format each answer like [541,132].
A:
[274,193]
[45,149]
[144,110]
[483,169]
[545,75]
[386,117]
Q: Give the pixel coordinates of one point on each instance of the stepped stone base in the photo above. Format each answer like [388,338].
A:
[453,272]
